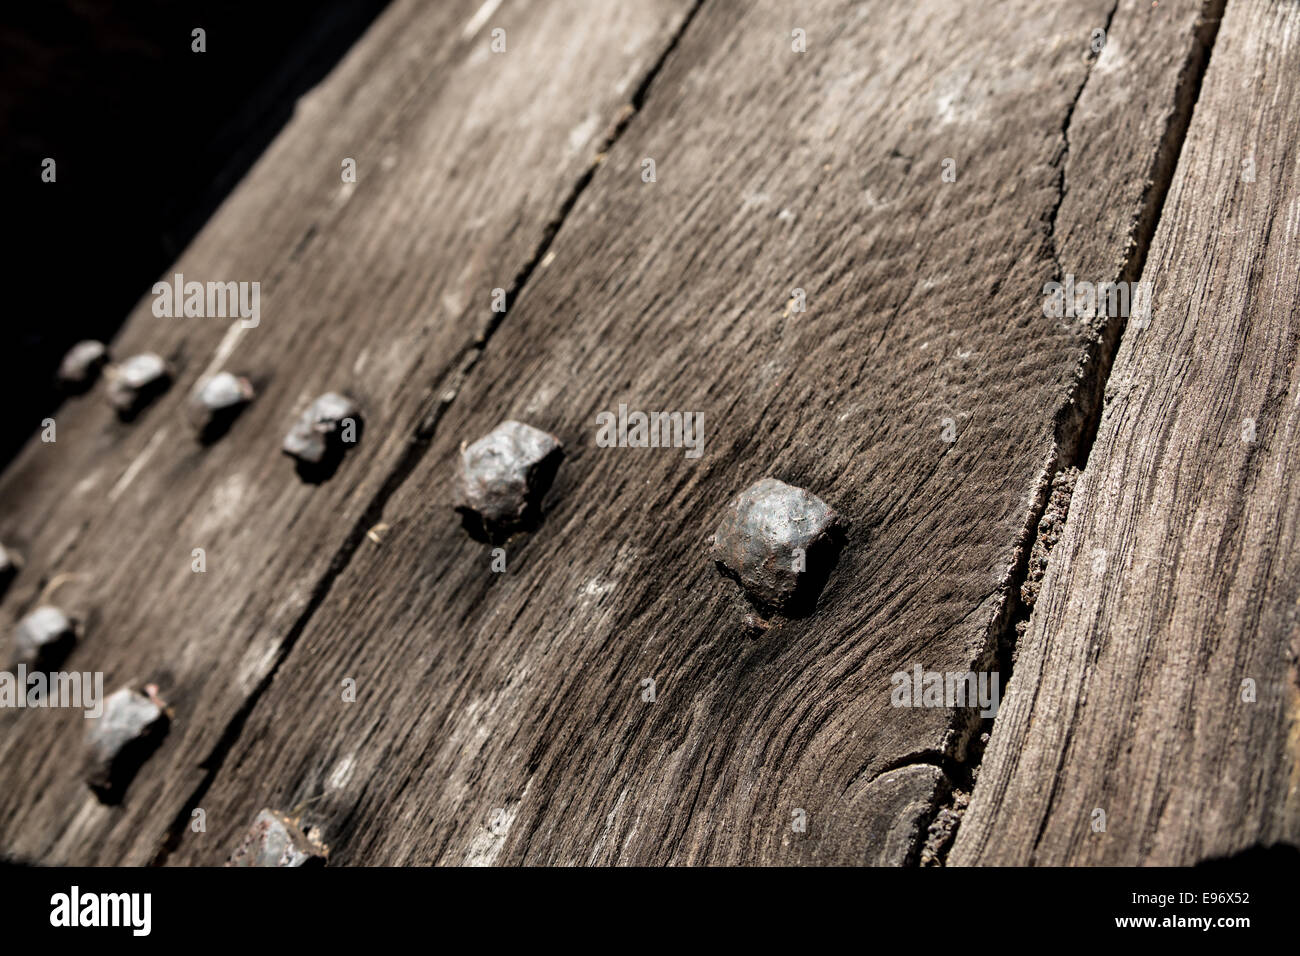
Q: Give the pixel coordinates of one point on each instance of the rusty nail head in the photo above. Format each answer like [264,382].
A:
[123,738]
[215,403]
[319,437]
[44,638]
[275,839]
[505,475]
[136,382]
[757,540]
[82,364]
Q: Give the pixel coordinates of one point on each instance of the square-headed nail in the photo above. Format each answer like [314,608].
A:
[275,839]
[778,543]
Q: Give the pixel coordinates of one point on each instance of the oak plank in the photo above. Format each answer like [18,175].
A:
[382,289]
[500,716]
[1178,575]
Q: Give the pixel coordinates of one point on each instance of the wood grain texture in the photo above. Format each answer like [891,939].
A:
[501,717]
[381,289]
[1178,576]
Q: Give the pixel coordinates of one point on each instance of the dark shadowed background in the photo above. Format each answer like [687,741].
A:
[148,137]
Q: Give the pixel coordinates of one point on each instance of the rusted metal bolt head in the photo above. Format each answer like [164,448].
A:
[275,839]
[321,431]
[119,741]
[778,542]
[43,638]
[136,382]
[505,475]
[216,402]
[82,364]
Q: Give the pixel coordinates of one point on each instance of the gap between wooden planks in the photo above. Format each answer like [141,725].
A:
[1154,717]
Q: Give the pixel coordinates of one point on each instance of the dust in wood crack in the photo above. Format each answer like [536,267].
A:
[1076,421]
[416,446]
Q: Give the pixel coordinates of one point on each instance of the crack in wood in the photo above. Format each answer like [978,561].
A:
[1079,417]
[1063,186]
